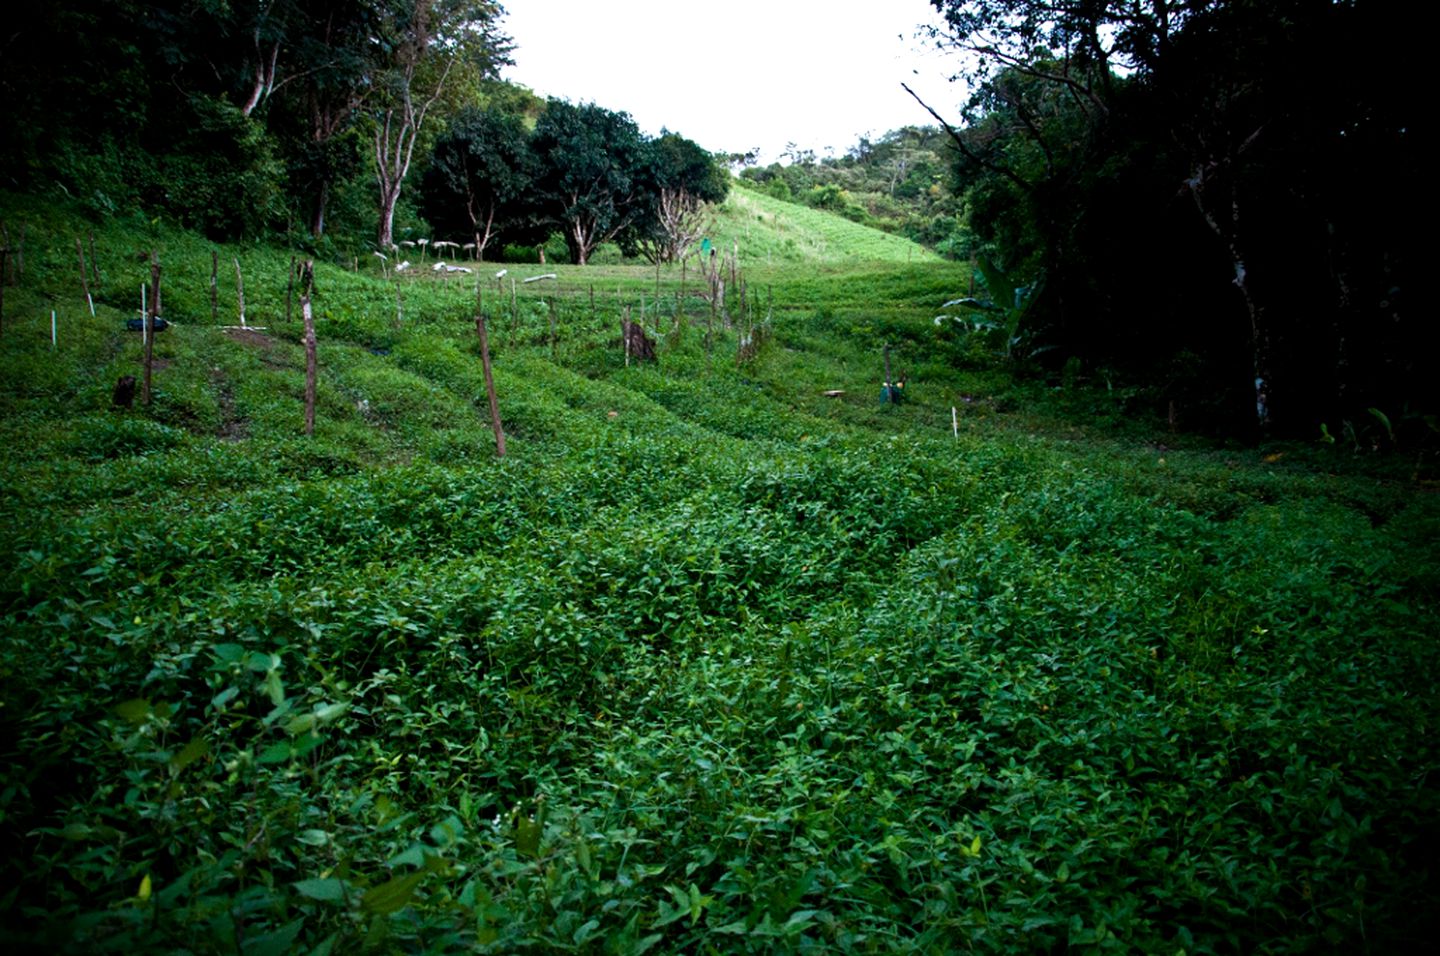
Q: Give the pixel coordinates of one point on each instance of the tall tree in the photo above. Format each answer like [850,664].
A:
[591,181]
[682,179]
[334,49]
[478,181]
[422,43]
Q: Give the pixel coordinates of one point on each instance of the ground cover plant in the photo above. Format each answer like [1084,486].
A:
[709,662]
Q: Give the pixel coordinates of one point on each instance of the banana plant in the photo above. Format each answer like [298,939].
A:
[1004,312]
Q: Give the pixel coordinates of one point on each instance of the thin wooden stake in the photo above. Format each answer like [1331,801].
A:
[150,314]
[710,322]
[514,312]
[54,331]
[552,329]
[310,361]
[84,280]
[625,332]
[481,330]
[214,287]
[94,260]
[954,421]
[240,291]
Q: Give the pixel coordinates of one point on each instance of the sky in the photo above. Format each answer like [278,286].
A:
[737,74]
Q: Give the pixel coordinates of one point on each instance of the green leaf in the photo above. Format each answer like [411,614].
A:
[330,712]
[133,711]
[527,837]
[274,687]
[414,856]
[393,895]
[190,753]
[228,653]
[328,889]
[313,837]
[586,932]
[276,943]
[644,944]
[276,752]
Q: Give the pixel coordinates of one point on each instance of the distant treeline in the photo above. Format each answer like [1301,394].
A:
[318,117]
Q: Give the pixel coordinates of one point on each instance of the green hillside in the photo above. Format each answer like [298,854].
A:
[711,661]
[771,230]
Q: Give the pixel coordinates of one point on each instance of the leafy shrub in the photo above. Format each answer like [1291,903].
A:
[116,436]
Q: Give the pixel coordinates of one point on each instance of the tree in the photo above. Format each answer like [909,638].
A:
[591,182]
[479,177]
[333,60]
[682,179]
[422,42]
[1192,186]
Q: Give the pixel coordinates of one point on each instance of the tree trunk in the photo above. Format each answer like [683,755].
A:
[388,197]
[395,139]
[322,200]
[1227,232]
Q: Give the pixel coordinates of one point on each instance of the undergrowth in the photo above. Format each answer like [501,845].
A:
[711,662]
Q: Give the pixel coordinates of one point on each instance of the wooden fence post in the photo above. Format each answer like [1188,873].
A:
[289,289]
[552,329]
[240,291]
[94,261]
[84,277]
[149,324]
[310,362]
[481,330]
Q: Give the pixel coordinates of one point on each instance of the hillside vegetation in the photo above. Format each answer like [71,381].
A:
[774,230]
[711,661]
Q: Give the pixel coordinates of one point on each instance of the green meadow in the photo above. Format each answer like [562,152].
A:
[711,661]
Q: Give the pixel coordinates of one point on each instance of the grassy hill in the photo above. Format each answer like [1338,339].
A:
[711,662]
[771,230]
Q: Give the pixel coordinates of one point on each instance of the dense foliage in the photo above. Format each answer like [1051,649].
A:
[1214,194]
[236,118]
[709,663]
[584,172]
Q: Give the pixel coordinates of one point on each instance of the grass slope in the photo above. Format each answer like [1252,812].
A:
[771,230]
[710,663]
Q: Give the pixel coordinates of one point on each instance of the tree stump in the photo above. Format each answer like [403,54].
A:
[638,345]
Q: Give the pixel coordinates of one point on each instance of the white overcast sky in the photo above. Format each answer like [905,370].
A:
[736,74]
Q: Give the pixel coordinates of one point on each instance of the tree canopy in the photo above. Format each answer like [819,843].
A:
[233,117]
[1213,198]
[479,179]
